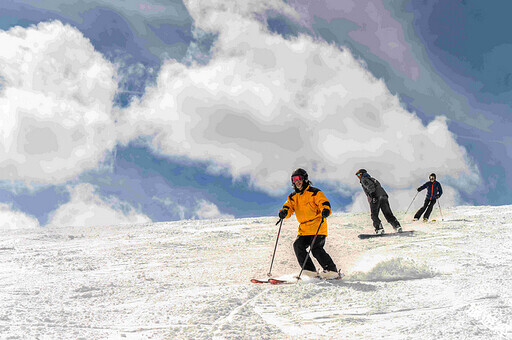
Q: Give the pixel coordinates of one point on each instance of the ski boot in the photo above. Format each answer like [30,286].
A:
[398,228]
[379,230]
[309,273]
[330,274]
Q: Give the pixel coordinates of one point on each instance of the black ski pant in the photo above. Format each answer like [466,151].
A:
[382,203]
[428,206]
[303,242]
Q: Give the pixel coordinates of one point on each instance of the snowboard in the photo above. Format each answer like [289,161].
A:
[403,233]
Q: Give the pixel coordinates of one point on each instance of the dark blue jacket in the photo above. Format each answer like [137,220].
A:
[433,189]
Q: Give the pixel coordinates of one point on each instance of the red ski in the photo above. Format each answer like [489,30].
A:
[259,280]
[273,281]
[280,282]
[290,279]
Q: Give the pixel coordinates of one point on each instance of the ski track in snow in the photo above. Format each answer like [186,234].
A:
[191,280]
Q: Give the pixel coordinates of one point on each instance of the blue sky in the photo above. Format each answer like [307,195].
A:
[164,110]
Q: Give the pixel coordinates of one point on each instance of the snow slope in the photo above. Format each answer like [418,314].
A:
[190,280]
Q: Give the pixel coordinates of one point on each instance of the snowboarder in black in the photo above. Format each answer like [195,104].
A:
[378,200]
[434,191]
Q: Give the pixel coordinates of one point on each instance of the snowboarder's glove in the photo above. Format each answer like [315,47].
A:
[419,189]
[325,213]
[437,196]
[283,213]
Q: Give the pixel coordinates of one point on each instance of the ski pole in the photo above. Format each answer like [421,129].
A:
[411,203]
[310,247]
[269,274]
[439,204]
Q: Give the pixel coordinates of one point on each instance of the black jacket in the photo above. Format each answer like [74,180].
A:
[372,187]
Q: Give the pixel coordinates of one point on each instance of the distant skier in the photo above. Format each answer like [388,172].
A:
[434,192]
[378,200]
[311,208]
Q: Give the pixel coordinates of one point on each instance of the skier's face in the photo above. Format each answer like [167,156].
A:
[298,182]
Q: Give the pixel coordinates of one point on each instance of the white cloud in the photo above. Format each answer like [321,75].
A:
[11,219]
[208,210]
[265,105]
[87,209]
[56,102]
[209,15]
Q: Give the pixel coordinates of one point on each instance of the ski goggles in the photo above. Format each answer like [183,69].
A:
[297,178]
[432,178]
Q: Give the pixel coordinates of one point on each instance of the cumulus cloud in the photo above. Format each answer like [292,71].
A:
[265,105]
[208,210]
[11,219]
[56,101]
[86,208]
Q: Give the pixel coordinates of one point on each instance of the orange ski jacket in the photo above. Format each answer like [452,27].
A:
[307,206]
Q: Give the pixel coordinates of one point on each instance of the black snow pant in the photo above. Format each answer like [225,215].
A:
[428,206]
[303,242]
[382,204]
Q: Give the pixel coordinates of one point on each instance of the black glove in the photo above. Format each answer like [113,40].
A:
[419,189]
[325,213]
[283,213]
[437,196]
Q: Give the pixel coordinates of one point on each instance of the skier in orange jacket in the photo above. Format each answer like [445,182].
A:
[311,208]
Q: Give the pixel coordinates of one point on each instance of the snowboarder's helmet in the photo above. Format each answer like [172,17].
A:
[300,172]
[361,171]
[432,175]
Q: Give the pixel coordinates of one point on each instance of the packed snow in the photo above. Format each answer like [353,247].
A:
[191,280]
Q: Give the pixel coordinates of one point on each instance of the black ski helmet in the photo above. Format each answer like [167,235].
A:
[300,172]
[432,175]
[361,171]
